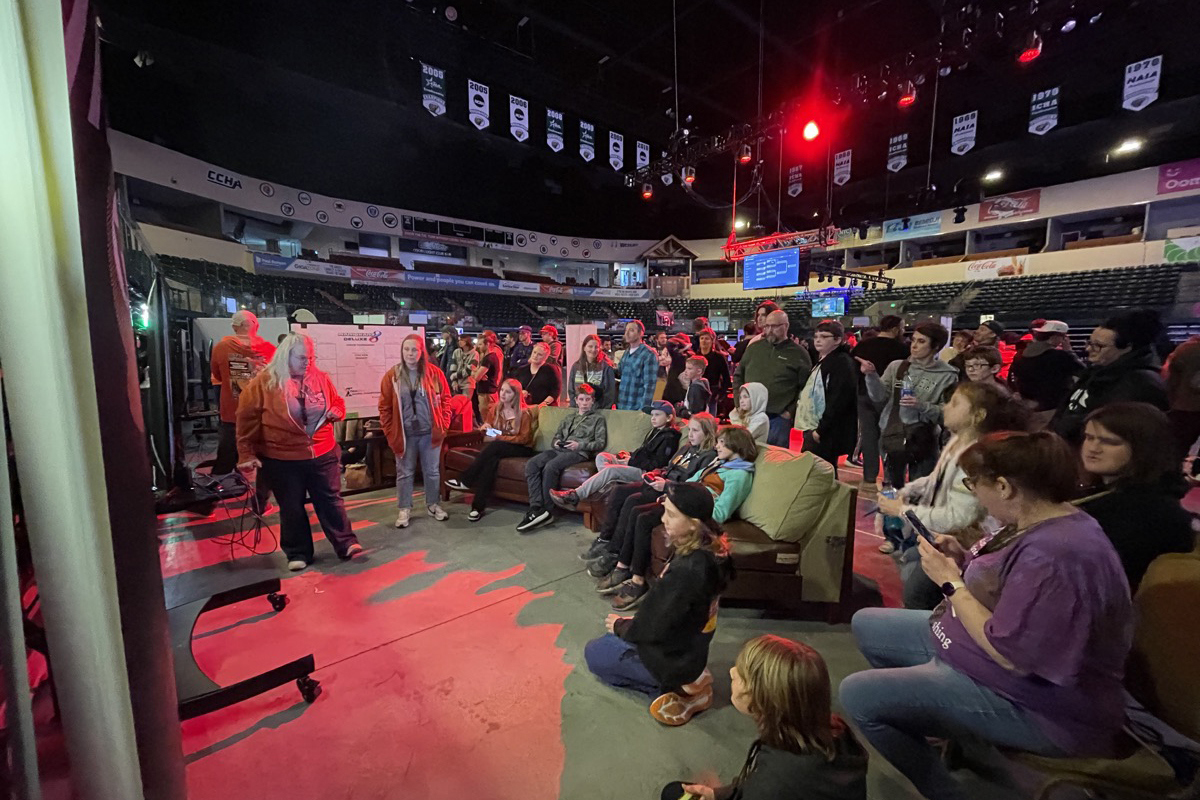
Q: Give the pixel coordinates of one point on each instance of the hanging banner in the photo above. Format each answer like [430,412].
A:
[1141,83]
[667,177]
[1043,111]
[643,155]
[841,167]
[433,89]
[587,140]
[795,183]
[616,150]
[478,104]
[897,152]
[554,130]
[518,117]
[962,133]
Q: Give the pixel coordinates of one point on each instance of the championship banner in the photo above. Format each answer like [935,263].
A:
[554,130]
[795,183]
[962,133]
[1141,83]
[518,117]
[667,177]
[433,89]
[643,155]
[587,140]
[616,150]
[897,156]
[1043,111]
[841,167]
[478,104]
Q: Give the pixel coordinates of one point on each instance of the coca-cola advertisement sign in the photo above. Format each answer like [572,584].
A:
[1020,204]
[1183,176]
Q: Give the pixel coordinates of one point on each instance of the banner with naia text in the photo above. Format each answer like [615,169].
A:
[518,117]
[1043,111]
[587,140]
[795,183]
[554,130]
[841,167]
[478,104]
[1141,83]
[962,132]
[897,155]
[433,89]
[616,150]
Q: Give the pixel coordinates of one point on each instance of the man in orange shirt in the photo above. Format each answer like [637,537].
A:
[235,361]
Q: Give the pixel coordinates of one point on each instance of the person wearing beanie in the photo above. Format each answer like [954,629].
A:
[657,448]
[662,651]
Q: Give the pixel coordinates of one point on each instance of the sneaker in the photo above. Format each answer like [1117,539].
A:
[402,517]
[295,565]
[611,583]
[457,485]
[474,515]
[565,498]
[598,548]
[676,709]
[887,548]
[438,513]
[534,519]
[700,684]
[629,595]
[353,550]
[602,565]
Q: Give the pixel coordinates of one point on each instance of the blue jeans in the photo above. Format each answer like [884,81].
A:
[780,433]
[422,447]
[616,662]
[911,694]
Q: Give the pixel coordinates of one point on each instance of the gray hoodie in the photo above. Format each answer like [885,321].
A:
[756,421]
[930,384]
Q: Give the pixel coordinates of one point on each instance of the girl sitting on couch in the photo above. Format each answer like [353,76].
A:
[662,651]
[514,421]
[803,749]
[727,477]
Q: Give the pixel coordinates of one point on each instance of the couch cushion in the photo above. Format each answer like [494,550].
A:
[626,429]
[754,551]
[789,492]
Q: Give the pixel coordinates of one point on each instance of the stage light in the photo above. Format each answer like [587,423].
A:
[647,191]
[908,94]
[1031,49]
[741,224]
[689,174]
[862,230]
[993,175]
[1068,25]
[1096,18]
[1128,146]
[960,215]
[811,130]
[744,155]
[842,281]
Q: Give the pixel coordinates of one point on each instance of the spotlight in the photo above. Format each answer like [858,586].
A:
[647,191]
[842,281]
[740,224]
[1128,146]
[811,130]
[960,215]
[1031,49]
[993,175]
[143,58]
[629,182]
[689,174]
[1068,25]
[880,273]
[945,69]
[862,230]
[1096,18]
[908,94]
[744,154]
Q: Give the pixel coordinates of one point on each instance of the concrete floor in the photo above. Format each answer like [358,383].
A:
[450,656]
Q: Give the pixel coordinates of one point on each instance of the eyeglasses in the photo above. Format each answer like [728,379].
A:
[1099,345]
[972,365]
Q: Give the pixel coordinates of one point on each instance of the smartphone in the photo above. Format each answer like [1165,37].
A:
[919,526]
[493,432]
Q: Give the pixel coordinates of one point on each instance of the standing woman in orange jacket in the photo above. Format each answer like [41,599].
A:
[284,428]
[414,410]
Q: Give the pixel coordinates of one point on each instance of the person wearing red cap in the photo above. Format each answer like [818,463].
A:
[550,338]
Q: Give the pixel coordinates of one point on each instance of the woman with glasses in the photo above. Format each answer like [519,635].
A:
[1028,648]
[285,428]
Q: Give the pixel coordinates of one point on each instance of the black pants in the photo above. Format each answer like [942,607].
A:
[868,434]
[1186,427]
[898,469]
[481,475]
[321,479]
[640,514]
[618,496]
[226,463]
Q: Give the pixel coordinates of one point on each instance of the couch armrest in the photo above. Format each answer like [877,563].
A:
[466,439]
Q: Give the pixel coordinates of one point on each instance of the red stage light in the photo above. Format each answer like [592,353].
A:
[908,94]
[811,131]
[647,191]
[1032,48]
[745,154]
[689,174]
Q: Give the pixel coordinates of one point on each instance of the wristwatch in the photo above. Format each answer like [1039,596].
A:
[950,587]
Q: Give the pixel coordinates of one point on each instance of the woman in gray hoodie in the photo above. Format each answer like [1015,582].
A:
[913,392]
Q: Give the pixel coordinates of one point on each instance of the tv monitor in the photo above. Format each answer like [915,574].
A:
[832,305]
[771,270]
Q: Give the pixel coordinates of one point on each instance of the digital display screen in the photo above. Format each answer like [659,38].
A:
[771,270]
[829,306]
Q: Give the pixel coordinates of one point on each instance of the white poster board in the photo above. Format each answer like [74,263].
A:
[356,357]
[571,347]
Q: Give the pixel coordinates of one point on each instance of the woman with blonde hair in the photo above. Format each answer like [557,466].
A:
[414,412]
[662,651]
[803,749]
[540,378]
[284,428]
[508,433]
[593,367]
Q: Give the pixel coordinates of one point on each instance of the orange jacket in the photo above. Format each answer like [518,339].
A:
[265,427]
[515,431]
[233,364]
[391,418]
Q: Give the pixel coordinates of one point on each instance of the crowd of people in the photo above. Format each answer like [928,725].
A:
[1025,492]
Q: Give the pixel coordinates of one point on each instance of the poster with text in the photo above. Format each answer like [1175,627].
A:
[433,89]
[518,117]
[962,132]
[1141,83]
[587,140]
[478,102]
[841,167]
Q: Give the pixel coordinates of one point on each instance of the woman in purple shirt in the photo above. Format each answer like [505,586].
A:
[1027,650]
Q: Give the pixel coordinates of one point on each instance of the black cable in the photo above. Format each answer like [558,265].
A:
[257,524]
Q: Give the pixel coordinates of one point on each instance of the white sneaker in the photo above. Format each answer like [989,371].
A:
[402,517]
[297,565]
[438,513]
[474,515]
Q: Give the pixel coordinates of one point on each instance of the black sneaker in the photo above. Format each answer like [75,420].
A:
[628,595]
[612,582]
[598,548]
[535,519]
[457,485]
[602,564]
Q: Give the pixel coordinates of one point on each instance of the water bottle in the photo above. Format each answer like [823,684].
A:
[893,527]
[907,389]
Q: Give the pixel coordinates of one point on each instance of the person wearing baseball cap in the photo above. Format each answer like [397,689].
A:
[1045,371]
[662,651]
[519,355]
[550,337]
[657,448]
[988,333]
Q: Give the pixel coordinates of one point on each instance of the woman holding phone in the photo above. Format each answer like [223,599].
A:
[508,433]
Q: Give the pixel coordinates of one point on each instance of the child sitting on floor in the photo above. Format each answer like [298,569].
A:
[803,749]
[663,650]
[751,411]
